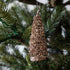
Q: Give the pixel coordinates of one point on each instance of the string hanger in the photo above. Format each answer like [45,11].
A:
[38,5]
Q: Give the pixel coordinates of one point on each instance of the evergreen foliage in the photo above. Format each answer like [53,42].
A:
[13,31]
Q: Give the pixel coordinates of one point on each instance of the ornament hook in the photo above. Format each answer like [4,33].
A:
[38,12]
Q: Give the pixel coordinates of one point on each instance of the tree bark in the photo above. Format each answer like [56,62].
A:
[34,2]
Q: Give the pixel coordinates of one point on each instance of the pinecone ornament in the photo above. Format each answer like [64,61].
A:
[37,44]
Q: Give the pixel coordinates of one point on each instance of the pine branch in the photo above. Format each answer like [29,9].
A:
[11,37]
[5,56]
[15,37]
[6,16]
[51,22]
[17,57]
[33,2]
[67,3]
[4,65]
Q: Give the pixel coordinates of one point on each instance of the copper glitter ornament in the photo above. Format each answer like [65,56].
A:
[37,44]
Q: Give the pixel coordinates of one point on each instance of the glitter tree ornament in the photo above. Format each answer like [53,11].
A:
[37,44]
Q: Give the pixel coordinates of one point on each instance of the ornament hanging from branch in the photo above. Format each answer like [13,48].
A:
[37,44]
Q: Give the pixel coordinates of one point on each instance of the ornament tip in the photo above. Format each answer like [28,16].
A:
[38,12]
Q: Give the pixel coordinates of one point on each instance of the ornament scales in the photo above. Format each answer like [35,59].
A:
[37,44]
